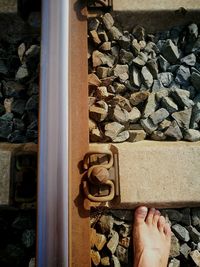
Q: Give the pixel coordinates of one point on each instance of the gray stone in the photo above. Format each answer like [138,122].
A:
[158,136]
[175,246]
[194,234]
[195,79]
[170,51]
[124,215]
[136,135]
[140,60]
[183,76]
[5,127]
[181,232]
[119,87]
[93,24]
[32,103]
[195,255]
[192,135]
[105,224]
[157,86]
[147,77]
[28,238]
[186,218]
[151,46]
[22,72]
[102,35]
[3,68]
[123,136]
[138,97]
[95,257]
[99,241]
[136,76]
[163,63]
[122,102]
[192,31]
[93,80]
[95,37]
[122,254]
[98,114]
[101,93]
[173,68]
[114,33]
[106,46]
[135,46]
[120,115]
[195,115]
[2,109]
[122,72]
[8,104]
[165,78]
[125,57]
[32,262]
[164,125]
[125,229]
[105,261]
[96,135]
[102,72]
[115,51]
[124,41]
[174,132]
[181,97]
[108,21]
[134,115]
[116,262]
[112,129]
[196,217]
[139,32]
[18,106]
[163,92]
[113,242]
[148,125]
[174,215]
[124,241]
[183,118]
[159,115]
[196,99]
[99,58]
[151,105]
[185,250]
[189,60]
[193,245]
[135,126]
[174,263]
[153,67]
[168,103]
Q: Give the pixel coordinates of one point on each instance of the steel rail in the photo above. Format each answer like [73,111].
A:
[52,223]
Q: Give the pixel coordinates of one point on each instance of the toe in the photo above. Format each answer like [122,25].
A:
[156,217]
[150,215]
[161,224]
[140,215]
[167,231]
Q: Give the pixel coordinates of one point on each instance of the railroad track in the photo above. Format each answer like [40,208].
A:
[63,211]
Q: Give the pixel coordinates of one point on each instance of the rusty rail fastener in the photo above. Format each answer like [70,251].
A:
[99,174]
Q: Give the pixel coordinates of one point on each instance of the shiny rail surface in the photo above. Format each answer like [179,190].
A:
[52,243]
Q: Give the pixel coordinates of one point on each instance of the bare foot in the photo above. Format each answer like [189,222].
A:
[151,238]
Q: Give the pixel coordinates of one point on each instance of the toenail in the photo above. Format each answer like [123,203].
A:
[142,210]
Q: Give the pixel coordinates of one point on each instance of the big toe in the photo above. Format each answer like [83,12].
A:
[140,215]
